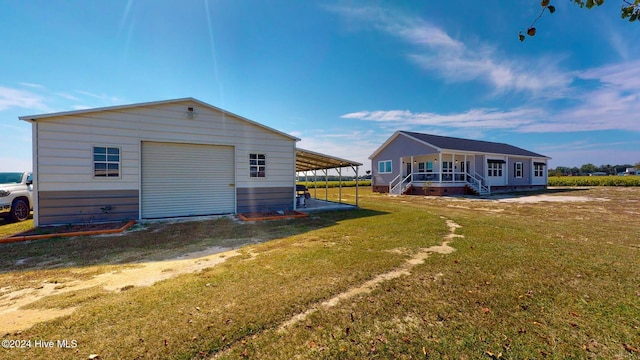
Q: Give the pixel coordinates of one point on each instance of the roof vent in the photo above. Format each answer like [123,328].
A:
[191,113]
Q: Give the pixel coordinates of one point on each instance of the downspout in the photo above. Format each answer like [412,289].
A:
[531,171]
[506,171]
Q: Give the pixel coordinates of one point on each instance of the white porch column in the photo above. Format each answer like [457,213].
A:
[485,170]
[466,171]
[453,167]
[440,167]
[412,169]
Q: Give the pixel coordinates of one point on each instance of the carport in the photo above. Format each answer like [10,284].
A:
[311,161]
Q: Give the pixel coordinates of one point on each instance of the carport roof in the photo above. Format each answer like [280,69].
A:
[311,160]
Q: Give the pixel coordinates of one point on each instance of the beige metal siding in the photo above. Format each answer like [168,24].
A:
[65,144]
[186,179]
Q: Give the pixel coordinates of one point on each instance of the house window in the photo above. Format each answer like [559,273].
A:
[494,169]
[425,167]
[106,162]
[517,169]
[447,166]
[384,167]
[538,170]
[257,165]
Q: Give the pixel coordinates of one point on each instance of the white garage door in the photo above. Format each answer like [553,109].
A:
[186,180]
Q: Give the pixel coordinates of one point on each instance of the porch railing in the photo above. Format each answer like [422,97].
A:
[401,186]
[476,182]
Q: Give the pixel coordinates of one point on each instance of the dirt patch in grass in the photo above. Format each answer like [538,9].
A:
[367,287]
[271,215]
[17,307]
[71,228]
[548,198]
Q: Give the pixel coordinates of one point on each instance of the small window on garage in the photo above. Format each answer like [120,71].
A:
[257,165]
[106,162]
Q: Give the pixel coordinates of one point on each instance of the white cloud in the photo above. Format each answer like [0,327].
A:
[104,97]
[67,96]
[455,61]
[12,98]
[610,102]
[32,85]
[474,118]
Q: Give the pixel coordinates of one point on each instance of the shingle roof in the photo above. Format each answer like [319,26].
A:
[452,143]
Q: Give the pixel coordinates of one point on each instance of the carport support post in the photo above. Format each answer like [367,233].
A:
[315,183]
[356,170]
[326,185]
[340,185]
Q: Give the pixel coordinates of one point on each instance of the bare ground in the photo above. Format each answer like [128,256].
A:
[13,317]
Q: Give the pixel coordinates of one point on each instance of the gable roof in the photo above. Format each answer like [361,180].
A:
[459,144]
[34,118]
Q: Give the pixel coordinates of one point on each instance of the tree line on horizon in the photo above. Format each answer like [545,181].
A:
[589,168]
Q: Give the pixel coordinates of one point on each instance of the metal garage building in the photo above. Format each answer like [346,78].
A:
[159,159]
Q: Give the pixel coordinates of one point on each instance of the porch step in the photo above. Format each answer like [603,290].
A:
[475,190]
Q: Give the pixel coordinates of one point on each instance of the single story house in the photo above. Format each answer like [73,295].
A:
[424,164]
[158,159]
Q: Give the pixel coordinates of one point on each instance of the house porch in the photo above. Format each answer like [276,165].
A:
[439,174]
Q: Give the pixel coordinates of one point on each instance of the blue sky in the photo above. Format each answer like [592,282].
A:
[340,75]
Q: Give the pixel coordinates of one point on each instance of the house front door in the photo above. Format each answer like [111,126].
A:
[408,169]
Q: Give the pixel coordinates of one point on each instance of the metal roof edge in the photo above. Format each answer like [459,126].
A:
[33,118]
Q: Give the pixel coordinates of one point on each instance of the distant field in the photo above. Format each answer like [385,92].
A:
[334,184]
[594,180]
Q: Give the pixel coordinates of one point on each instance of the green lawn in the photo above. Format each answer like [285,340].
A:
[527,280]
[9,228]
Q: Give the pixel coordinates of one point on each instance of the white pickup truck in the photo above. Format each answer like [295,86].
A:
[16,195]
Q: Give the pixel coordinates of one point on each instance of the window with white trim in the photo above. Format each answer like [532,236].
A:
[384,167]
[494,169]
[425,167]
[257,165]
[106,162]
[538,170]
[517,169]
[447,166]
